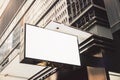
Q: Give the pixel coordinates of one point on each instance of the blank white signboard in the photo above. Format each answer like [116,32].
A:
[51,46]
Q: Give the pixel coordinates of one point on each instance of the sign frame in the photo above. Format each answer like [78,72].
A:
[41,62]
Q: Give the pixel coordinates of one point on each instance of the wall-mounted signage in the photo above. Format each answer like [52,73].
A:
[49,45]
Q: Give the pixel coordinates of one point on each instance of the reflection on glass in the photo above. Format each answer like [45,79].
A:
[10,42]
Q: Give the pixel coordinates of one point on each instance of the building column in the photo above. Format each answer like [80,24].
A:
[96,73]
[95,52]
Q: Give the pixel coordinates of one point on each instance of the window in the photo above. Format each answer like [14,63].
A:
[16,36]
[70,19]
[91,14]
[86,18]
[6,46]
[79,23]
[74,9]
[77,7]
[84,3]
[69,10]
[68,1]
[81,4]
[99,2]
[101,13]
[89,2]
[11,42]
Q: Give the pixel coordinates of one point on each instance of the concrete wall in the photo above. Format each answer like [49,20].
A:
[114,76]
[113,11]
[101,31]
[9,13]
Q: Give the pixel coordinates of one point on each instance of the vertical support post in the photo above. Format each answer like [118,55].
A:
[96,73]
[97,67]
[96,57]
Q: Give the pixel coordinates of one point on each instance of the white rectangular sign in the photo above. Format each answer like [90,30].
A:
[51,46]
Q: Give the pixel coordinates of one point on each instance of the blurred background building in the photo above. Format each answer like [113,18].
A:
[99,17]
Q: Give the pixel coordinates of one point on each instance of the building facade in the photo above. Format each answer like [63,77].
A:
[113,11]
[87,15]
